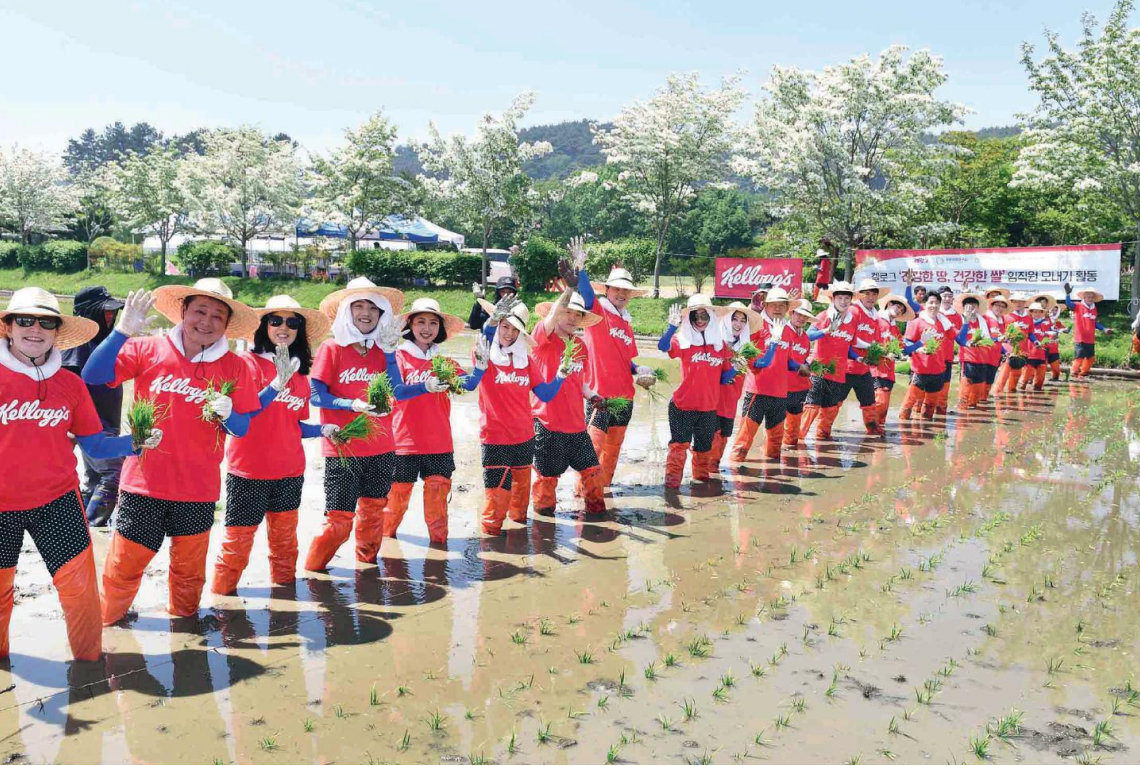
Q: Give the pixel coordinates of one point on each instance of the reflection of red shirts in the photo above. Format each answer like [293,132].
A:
[955,320]
[730,394]
[1084,323]
[975,354]
[997,326]
[272,448]
[185,466]
[834,347]
[773,379]
[701,366]
[887,330]
[798,349]
[34,443]
[867,331]
[422,423]
[504,403]
[565,412]
[612,349]
[921,362]
[1026,324]
[347,374]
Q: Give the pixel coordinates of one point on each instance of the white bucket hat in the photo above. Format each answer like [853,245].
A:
[518,318]
[870,284]
[620,278]
[36,302]
[804,308]
[838,287]
[577,303]
[776,295]
[168,301]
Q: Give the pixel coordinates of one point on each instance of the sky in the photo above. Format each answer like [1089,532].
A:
[311,69]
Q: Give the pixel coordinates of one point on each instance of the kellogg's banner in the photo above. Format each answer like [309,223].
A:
[1028,269]
[739,277]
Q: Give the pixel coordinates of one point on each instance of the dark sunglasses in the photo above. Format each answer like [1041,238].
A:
[701,316]
[293,323]
[47,323]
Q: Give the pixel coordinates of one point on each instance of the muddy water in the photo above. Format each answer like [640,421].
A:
[865,600]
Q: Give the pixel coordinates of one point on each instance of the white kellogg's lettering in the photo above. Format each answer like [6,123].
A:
[707,358]
[46,418]
[622,335]
[416,377]
[168,384]
[291,401]
[512,378]
[357,375]
[740,274]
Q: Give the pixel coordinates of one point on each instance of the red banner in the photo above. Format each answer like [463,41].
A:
[739,277]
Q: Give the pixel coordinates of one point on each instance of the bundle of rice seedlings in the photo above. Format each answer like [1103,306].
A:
[213,391]
[618,406]
[894,348]
[978,340]
[360,427]
[144,416]
[381,393]
[743,358]
[932,346]
[1014,336]
[874,354]
[445,372]
[662,374]
[570,354]
[816,367]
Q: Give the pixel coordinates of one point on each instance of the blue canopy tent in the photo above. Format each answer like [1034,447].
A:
[393,227]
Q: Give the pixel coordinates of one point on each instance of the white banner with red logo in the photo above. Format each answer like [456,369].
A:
[739,277]
[1028,269]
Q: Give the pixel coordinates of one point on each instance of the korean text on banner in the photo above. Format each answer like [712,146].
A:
[739,277]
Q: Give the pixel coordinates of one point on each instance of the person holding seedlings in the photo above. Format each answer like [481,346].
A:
[266,468]
[506,426]
[505,286]
[1055,329]
[975,338]
[833,335]
[998,299]
[766,382]
[360,456]
[799,377]
[1018,340]
[739,324]
[422,418]
[893,309]
[705,366]
[1085,325]
[40,405]
[560,438]
[204,392]
[859,374]
[924,338]
[949,314]
[1036,361]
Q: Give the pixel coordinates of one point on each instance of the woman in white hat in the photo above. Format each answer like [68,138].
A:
[893,309]
[834,336]
[422,418]
[358,477]
[1085,325]
[976,353]
[1036,361]
[738,325]
[1016,355]
[706,365]
[1053,328]
[172,493]
[927,369]
[265,469]
[506,426]
[40,404]
[799,379]
[766,382]
[995,319]
[859,375]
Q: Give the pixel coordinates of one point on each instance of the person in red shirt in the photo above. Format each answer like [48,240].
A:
[560,438]
[506,426]
[927,368]
[951,315]
[705,367]
[833,335]
[1053,347]
[173,492]
[1043,330]
[1016,356]
[40,405]
[266,468]
[766,381]
[976,341]
[998,299]
[799,379]
[893,309]
[358,475]
[422,418]
[859,375]
[1085,325]
[738,325]
[825,272]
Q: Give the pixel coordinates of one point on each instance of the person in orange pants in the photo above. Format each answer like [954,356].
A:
[927,362]
[1016,354]
[1037,361]
[799,379]
[358,474]
[892,310]
[422,419]
[173,492]
[1085,325]
[833,334]
[43,404]
[266,468]
[995,318]
[738,325]
[766,381]
[975,338]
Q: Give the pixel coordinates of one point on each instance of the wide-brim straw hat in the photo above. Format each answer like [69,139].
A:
[960,299]
[1037,306]
[1018,296]
[577,303]
[881,291]
[777,295]
[168,301]
[1097,295]
[838,287]
[317,324]
[452,324]
[1044,298]
[620,278]
[36,302]
[996,289]
[908,313]
[698,302]
[519,317]
[754,318]
[804,307]
[361,286]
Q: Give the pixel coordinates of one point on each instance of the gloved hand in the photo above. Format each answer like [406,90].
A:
[153,439]
[329,430]
[388,338]
[222,406]
[286,368]
[482,352]
[133,318]
[504,307]
[477,289]
[929,334]
[643,370]
[597,402]
[359,405]
[675,312]
[435,386]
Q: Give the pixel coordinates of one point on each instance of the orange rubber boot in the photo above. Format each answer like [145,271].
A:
[594,490]
[929,405]
[720,441]
[942,406]
[369,528]
[675,464]
[810,415]
[608,458]
[1014,378]
[1039,379]
[7,600]
[495,504]
[187,574]
[520,494]
[233,558]
[966,398]
[1088,366]
[911,402]
[871,420]
[744,438]
[985,392]
[775,442]
[1055,366]
[79,597]
[122,575]
[398,498]
[792,430]
[334,532]
[701,465]
[598,439]
[281,529]
[1002,378]
[544,494]
[883,402]
[436,490]
[826,418]
[1075,368]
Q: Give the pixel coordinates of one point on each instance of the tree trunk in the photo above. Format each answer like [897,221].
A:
[486,236]
[162,256]
[244,259]
[1134,302]
[657,262]
[849,265]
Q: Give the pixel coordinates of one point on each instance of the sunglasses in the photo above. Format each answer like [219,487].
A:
[47,323]
[701,316]
[293,323]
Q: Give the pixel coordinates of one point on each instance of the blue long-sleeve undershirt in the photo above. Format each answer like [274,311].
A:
[322,399]
[727,376]
[547,391]
[1069,302]
[667,338]
[911,301]
[102,446]
[310,430]
[815,333]
[1101,327]
[761,362]
[963,334]
[586,290]
[910,348]
[266,398]
[793,365]
[853,354]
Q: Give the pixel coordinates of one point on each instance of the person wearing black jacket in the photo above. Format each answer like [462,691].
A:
[101,493]
[478,317]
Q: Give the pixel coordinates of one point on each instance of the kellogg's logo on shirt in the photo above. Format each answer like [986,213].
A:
[620,334]
[356,375]
[168,384]
[503,377]
[707,358]
[291,401]
[415,377]
[45,417]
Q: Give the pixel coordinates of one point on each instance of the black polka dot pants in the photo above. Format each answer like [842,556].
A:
[603,419]
[412,467]
[864,388]
[59,530]
[690,426]
[826,393]
[498,459]
[350,478]
[768,411]
[248,500]
[554,452]
[724,426]
[148,520]
[796,400]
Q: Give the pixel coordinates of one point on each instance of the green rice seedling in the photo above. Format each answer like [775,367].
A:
[793,557]
[893,726]
[585,656]
[512,743]
[833,687]
[604,703]
[268,744]
[833,630]
[572,714]
[760,740]
[403,691]
[338,711]
[932,345]
[741,619]
[665,722]
[783,722]
[544,734]
[743,358]
[816,367]
[932,685]
[855,759]
[435,721]
[618,406]
[445,371]
[1086,758]
[979,340]
[981,746]
[784,649]
[307,725]
[689,708]
[923,696]
[1054,665]
[670,661]
[990,630]
[405,741]
[720,694]
[758,670]
[727,681]
[1014,335]
[896,633]
[650,672]
[359,428]
[705,758]
[1007,726]
[573,619]
[144,415]
[213,391]
[1102,732]
[661,374]
[520,638]
[380,393]
[469,714]
[1049,583]
[612,754]
[887,754]
[373,697]
[699,646]
[477,759]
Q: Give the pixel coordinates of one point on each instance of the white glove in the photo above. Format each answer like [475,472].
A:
[222,406]
[286,368]
[969,311]
[359,405]
[646,381]
[434,385]
[929,334]
[577,248]
[153,439]
[482,352]
[133,318]
[388,338]
[675,315]
[477,289]
[329,430]
[643,370]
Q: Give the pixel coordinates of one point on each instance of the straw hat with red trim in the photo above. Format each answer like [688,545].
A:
[620,278]
[36,302]
[452,324]
[1080,292]
[804,308]
[576,304]
[908,313]
[960,299]
[317,325]
[361,286]
[837,287]
[168,301]
[754,318]
[1045,298]
[870,284]
[518,318]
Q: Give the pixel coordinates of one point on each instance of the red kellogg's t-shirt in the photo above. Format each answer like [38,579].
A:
[866,330]
[423,423]
[347,374]
[773,379]
[34,441]
[834,347]
[997,326]
[948,346]
[1026,325]
[611,349]
[185,466]
[564,413]
[272,449]
[887,330]
[1052,326]
[701,367]
[975,354]
[1084,323]
[504,403]
[798,349]
[921,362]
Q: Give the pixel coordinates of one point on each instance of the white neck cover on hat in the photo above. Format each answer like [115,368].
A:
[345,333]
[211,353]
[688,335]
[36,372]
[515,355]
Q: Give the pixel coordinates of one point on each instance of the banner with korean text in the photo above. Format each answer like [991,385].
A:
[739,277]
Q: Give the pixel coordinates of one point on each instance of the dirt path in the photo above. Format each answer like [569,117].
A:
[866,601]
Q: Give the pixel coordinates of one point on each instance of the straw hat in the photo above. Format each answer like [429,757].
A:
[870,284]
[754,318]
[698,302]
[1037,306]
[1045,299]
[452,324]
[1097,295]
[37,302]
[908,313]
[620,278]
[960,298]
[316,323]
[1018,296]
[360,286]
[804,308]
[996,289]
[519,317]
[168,301]
[838,287]
[577,303]
[776,295]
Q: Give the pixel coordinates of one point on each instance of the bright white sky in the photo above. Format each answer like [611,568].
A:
[312,68]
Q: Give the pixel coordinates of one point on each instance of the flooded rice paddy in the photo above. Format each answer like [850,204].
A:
[927,598]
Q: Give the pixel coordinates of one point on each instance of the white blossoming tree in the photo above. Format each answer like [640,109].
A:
[667,146]
[34,194]
[246,184]
[1085,132]
[149,197]
[481,179]
[842,149]
[354,186]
